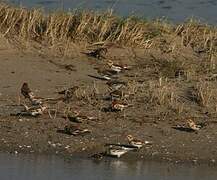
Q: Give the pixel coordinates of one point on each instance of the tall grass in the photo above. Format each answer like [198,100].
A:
[76,25]
[88,26]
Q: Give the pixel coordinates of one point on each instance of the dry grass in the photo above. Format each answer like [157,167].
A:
[76,26]
[162,93]
[63,28]
[205,94]
[200,37]
[60,30]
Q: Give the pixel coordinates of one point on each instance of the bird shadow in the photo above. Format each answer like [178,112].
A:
[97,77]
[62,131]
[184,129]
[109,109]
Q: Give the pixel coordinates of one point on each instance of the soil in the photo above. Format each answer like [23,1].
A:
[146,118]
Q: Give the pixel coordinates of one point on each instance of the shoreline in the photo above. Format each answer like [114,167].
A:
[130,157]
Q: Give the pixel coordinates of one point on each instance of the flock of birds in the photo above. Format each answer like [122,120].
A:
[39,105]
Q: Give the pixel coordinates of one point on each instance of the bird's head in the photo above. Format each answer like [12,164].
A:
[129,137]
[76,87]
[114,103]
[110,63]
[190,121]
[25,84]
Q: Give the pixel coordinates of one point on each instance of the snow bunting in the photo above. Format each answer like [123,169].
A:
[25,90]
[118,106]
[136,142]
[116,151]
[192,125]
[75,130]
[115,85]
[117,67]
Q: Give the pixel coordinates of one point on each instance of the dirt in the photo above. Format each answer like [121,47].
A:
[146,118]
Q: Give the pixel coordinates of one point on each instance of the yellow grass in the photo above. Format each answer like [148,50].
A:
[90,27]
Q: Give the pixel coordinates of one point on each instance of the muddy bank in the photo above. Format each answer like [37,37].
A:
[152,80]
[163,90]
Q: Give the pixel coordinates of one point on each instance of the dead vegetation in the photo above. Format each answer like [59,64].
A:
[60,30]
[74,26]
[170,81]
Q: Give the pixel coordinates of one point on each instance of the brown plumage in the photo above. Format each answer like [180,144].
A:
[97,53]
[134,142]
[75,130]
[72,90]
[118,106]
[25,90]
[192,125]
[68,93]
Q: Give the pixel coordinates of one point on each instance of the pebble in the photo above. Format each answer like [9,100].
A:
[212,160]
[154,153]
[67,147]
[20,120]
[54,145]
[194,161]
[58,144]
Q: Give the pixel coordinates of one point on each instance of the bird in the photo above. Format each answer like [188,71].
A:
[34,110]
[118,106]
[28,94]
[72,90]
[68,93]
[97,156]
[73,117]
[36,101]
[25,90]
[115,84]
[77,117]
[192,125]
[136,142]
[116,151]
[75,130]
[116,94]
[97,52]
[117,67]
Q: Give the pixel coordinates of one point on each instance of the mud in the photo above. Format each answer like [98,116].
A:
[46,76]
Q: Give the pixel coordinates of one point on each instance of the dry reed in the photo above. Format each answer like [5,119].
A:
[82,26]
[89,27]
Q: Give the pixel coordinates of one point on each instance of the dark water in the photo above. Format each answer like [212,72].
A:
[28,167]
[173,10]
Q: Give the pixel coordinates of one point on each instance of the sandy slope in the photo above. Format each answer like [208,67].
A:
[46,75]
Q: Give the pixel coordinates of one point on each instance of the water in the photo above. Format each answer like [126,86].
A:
[26,167]
[173,10]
